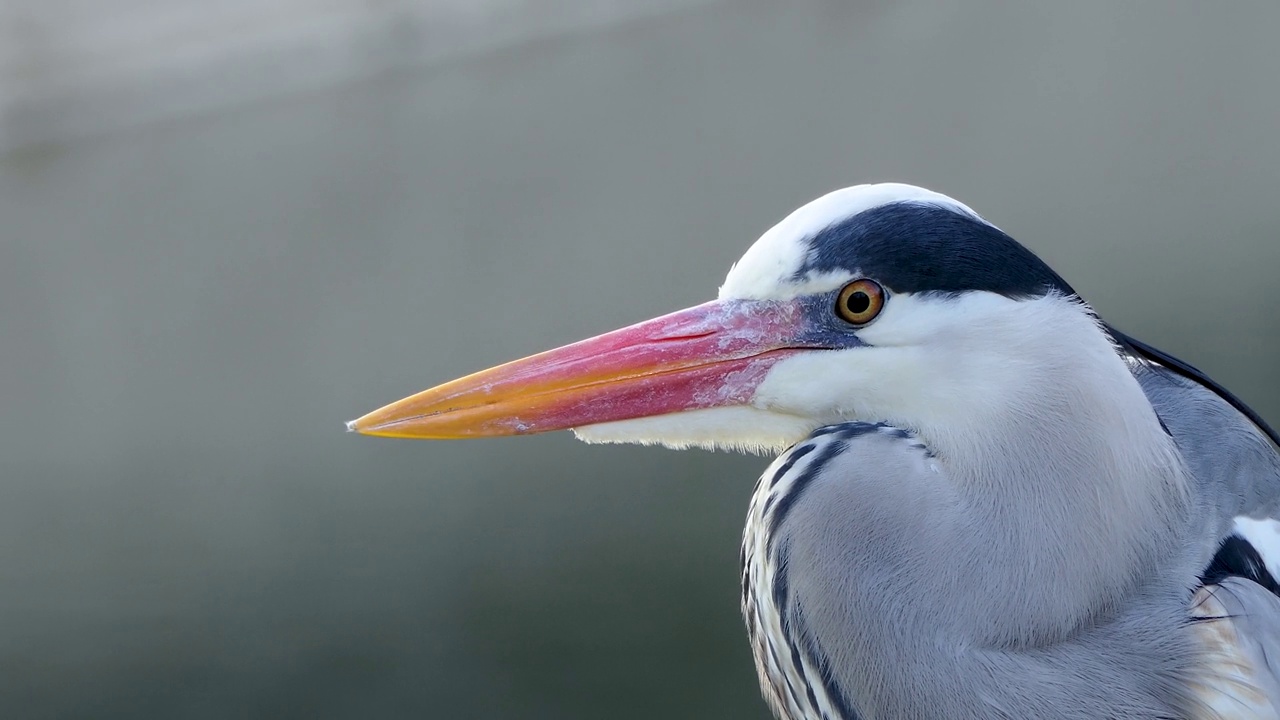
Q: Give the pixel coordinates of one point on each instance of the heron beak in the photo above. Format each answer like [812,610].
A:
[711,355]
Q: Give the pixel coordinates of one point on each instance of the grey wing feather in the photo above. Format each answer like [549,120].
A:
[1233,455]
[1137,348]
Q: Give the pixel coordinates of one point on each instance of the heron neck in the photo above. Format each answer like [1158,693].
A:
[1066,505]
[928,597]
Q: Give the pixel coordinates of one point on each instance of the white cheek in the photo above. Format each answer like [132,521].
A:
[836,385]
[798,385]
[832,386]
[925,359]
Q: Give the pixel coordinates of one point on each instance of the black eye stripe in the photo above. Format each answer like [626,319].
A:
[916,247]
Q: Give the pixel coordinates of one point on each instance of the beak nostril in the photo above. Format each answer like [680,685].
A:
[682,336]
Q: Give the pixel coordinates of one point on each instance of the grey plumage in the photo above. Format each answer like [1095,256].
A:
[894,630]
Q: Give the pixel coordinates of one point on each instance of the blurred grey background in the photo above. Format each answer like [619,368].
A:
[227,227]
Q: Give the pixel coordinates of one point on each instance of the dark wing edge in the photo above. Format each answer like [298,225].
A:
[1160,357]
[1237,557]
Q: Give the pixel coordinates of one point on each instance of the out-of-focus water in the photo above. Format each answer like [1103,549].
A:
[188,312]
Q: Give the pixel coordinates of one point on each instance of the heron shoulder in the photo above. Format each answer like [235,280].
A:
[795,669]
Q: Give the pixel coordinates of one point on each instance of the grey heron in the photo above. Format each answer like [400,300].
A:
[988,503]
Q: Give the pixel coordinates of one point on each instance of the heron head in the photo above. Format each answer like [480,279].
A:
[876,302]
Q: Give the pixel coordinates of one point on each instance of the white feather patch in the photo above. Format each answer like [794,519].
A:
[1264,536]
[739,428]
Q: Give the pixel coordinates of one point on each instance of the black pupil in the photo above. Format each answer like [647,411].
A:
[858,303]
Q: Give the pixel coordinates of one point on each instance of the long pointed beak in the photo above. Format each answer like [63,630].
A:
[710,355]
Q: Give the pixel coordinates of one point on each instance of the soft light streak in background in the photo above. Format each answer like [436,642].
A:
[227,227]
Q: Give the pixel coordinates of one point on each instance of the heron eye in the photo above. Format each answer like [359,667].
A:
[860,302]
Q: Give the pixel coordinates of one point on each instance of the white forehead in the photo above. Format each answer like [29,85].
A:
[766,270]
